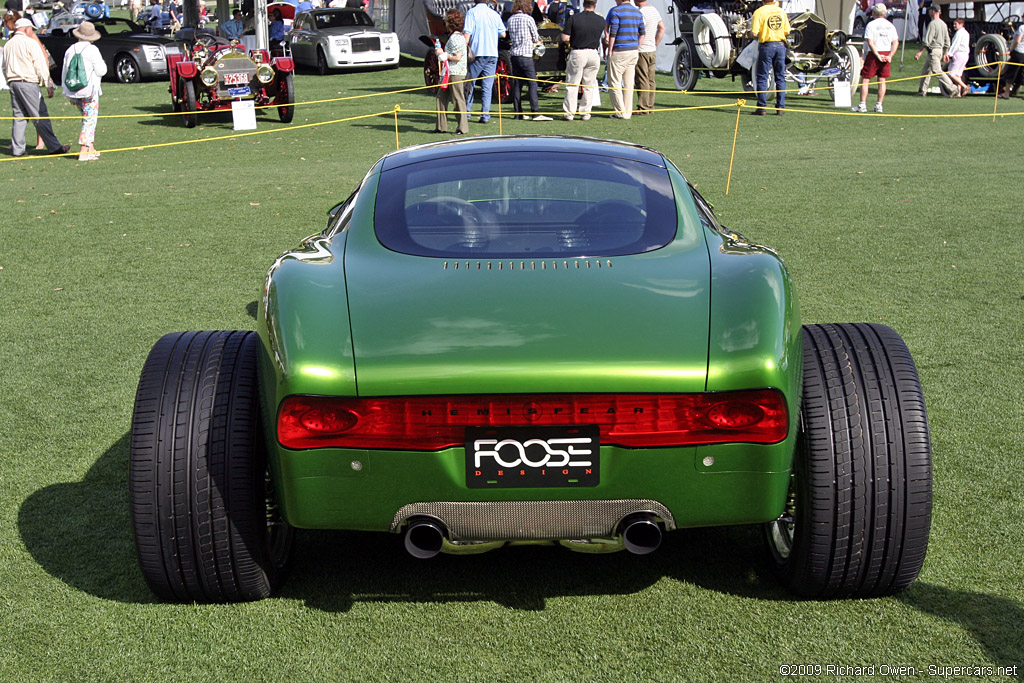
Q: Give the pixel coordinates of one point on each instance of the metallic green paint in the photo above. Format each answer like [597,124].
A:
[345,316]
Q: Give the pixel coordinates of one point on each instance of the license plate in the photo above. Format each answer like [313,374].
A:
[236,79]
[238,92]
[532,457]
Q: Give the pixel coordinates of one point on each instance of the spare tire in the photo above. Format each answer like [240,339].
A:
[989,52]
[711,38]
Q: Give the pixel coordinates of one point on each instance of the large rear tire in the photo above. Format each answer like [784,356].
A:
[502,78]
[431,72]
[683,68]
[750,83]
[206,526]
[859,511]
[848,60]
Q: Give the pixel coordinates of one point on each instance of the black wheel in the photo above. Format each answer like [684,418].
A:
[188,103]
[321,62]
[126,69]
[431,72]
[206,526]
[683,68]
[286,96]
[858,26]
[847,59]
[502,83]
[750,83]
[859,511]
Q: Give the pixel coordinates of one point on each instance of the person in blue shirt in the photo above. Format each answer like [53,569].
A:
[303,6]
[276,30]
[233,28]
[624,26]
[482,30]
[156,16]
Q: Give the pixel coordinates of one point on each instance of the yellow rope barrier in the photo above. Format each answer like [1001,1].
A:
[735,134]
[739,104]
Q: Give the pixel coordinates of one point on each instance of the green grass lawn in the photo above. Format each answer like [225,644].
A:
[914,222]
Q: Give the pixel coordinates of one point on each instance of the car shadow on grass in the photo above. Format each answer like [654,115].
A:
[80,532]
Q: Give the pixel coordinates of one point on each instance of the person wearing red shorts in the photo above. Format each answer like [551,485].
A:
[880,43]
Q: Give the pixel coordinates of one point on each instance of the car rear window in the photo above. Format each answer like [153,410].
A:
[518,205]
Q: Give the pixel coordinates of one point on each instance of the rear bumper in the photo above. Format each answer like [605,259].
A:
[377,490]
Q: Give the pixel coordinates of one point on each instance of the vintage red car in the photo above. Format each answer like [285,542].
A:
[214,72]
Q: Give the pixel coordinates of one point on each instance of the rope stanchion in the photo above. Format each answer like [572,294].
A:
[501,119]
[995,104]
[735,134]
[397,109]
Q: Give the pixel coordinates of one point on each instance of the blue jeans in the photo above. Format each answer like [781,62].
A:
[481,66]
[771,57]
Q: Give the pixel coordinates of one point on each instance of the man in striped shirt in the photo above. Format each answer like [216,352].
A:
[625,27]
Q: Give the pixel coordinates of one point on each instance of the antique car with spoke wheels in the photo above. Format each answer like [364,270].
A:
[714,42]
[214,72]
[479,350]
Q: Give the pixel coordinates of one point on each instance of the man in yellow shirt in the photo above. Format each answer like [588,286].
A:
[770,26]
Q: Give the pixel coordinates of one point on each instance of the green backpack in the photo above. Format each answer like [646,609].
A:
[77,78]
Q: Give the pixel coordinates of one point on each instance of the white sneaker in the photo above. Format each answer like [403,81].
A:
[585,117]
[567,117]
[541,117]
[861,108]
[878,107]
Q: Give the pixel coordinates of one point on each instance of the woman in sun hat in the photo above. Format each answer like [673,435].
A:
[87,99]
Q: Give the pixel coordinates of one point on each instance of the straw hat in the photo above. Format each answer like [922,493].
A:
[86,31]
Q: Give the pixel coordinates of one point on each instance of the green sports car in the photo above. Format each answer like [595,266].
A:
[511,340]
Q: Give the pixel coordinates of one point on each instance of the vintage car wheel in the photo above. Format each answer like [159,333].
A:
[127,69]
[712,40]
[683,68]
[431,72]
[286,96]
[205,522]
[750,83]
[188,103]
[858,513]
[321,62]
[991,47]
[503,85]
[848,59]
[858,26]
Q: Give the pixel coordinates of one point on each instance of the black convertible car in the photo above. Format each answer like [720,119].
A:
[130,52]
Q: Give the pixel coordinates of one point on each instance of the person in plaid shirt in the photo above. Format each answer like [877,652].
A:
[523,35]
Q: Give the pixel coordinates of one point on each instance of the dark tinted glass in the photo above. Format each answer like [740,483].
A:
[518,205]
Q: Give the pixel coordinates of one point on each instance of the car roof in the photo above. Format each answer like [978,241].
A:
[537,144]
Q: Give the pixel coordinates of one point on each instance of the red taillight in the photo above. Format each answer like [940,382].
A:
[429,423]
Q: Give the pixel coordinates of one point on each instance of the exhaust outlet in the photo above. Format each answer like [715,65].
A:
[424,538]
[640,534]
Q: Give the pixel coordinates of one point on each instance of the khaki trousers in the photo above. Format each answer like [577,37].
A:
[645,81]
[580,69]
[933,67]
[622,70]
[456,94]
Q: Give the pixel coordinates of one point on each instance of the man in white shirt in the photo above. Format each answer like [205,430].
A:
[26,68]
[654,29]
[880,43]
